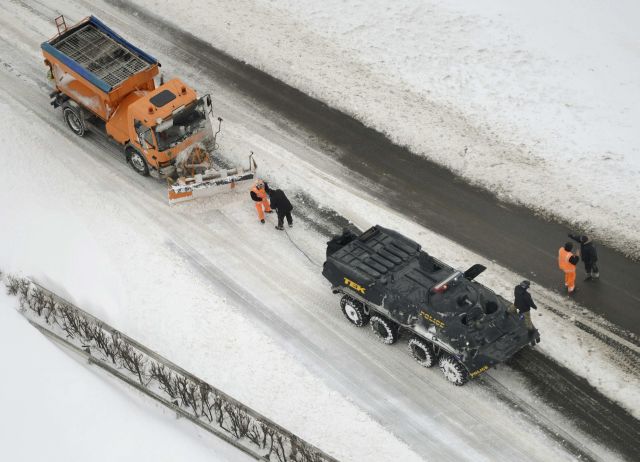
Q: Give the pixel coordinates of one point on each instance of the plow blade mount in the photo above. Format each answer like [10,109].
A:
[209,181]
[199,186]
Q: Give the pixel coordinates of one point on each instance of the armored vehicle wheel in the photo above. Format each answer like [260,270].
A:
[355,311]
[137,161]
[453,371]
[386,330]
[74,120]
[422,351]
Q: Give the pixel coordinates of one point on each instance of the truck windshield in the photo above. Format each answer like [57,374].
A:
[183,124]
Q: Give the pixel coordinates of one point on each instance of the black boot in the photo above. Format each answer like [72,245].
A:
[534,337]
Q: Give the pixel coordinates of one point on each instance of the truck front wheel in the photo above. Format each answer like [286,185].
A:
[74,120]
[422,351]
[453,371]
[355,311]
[137,161]
[386,330]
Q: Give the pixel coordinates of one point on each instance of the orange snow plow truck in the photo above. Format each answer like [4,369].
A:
[104,84]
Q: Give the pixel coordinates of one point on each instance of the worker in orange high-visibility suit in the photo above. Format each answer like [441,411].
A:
[259,195]
[567,262]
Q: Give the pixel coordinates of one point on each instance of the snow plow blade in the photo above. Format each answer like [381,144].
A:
[210,180]
[201,186]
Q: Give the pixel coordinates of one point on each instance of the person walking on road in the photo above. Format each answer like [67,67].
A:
[282,206]
[588,254]
[259,195]
[523,302]
[567,262]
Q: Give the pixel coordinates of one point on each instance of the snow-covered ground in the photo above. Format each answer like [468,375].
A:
[88,227]
[96,243]
[73,413]
[107,257]
[538,102]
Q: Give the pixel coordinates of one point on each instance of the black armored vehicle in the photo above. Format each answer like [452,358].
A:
[388,281]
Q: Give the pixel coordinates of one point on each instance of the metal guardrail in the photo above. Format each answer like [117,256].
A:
[157,377]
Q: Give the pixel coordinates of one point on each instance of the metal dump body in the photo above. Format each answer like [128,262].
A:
[96,67]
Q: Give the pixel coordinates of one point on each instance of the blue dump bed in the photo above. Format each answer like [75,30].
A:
[98,54]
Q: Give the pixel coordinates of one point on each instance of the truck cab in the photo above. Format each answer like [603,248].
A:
[161,124]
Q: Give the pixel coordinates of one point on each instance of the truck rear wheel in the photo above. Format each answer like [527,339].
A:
[385,329]
[422,351]
[453,371]
[74,120]
[137,161]
[355,311]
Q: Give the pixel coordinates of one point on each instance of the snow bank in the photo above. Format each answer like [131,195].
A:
[536,102]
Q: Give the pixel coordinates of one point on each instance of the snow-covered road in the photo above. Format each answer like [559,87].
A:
[208,287]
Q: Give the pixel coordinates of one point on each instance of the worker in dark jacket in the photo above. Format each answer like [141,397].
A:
[523,302]
[282,206]
[589,255]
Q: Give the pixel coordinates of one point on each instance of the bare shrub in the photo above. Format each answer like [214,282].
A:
[12,284]
[70,320]
[164,377]
[218,407]
[279,448]
[85,327]
[23,291]
[105,343]
[205,401]
[131,360]
[49,310]
[239,420]
[36,300]
[268,440]
[301,453]
[187,390]
[254,434]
